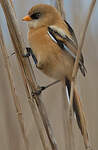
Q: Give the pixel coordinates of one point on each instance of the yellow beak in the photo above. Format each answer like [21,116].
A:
[27,18]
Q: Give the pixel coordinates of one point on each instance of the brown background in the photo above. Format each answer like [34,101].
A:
[10,133]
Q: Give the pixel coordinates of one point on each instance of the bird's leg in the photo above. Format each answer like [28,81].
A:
[28,52]
[42,88]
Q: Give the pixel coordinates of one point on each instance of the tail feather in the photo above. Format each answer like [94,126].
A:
[82,68]
[80,117]
[75,107]
[77,113]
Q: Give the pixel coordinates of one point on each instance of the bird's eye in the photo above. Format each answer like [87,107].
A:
[35,15]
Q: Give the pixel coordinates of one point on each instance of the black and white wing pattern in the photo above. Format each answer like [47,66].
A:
[67,43]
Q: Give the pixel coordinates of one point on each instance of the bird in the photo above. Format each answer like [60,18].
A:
[53,46]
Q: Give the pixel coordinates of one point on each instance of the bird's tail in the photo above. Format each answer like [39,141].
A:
[77,108]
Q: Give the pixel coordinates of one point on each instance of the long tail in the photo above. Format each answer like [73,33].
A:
[78,110]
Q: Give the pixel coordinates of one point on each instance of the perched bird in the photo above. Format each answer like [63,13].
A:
[53,42]
[54,45]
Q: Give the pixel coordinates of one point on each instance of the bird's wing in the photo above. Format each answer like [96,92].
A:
[66,42]
[72,33]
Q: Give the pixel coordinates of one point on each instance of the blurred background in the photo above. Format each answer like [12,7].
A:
[10,134]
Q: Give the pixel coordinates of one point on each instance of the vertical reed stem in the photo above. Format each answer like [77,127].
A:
[26,72]
[13,90]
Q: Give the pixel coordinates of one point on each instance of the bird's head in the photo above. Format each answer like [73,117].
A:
[42,15]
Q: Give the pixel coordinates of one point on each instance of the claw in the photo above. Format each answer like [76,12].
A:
[42,88]
[38,91]
[26,55]
[28,52]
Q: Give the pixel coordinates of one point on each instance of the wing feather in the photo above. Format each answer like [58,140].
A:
[66,43]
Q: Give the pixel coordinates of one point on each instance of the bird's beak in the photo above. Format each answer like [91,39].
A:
[26,18]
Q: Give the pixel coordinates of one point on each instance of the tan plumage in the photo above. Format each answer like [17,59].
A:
[54,45]
[53,61]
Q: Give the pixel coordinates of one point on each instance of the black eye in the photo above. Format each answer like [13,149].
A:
[35,15]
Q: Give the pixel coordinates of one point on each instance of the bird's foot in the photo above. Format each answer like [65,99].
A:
[38,91]
[42,88]
[28,52]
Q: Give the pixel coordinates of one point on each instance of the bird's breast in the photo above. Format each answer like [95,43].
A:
[51,59]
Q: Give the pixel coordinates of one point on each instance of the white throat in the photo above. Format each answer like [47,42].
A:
[33,24]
